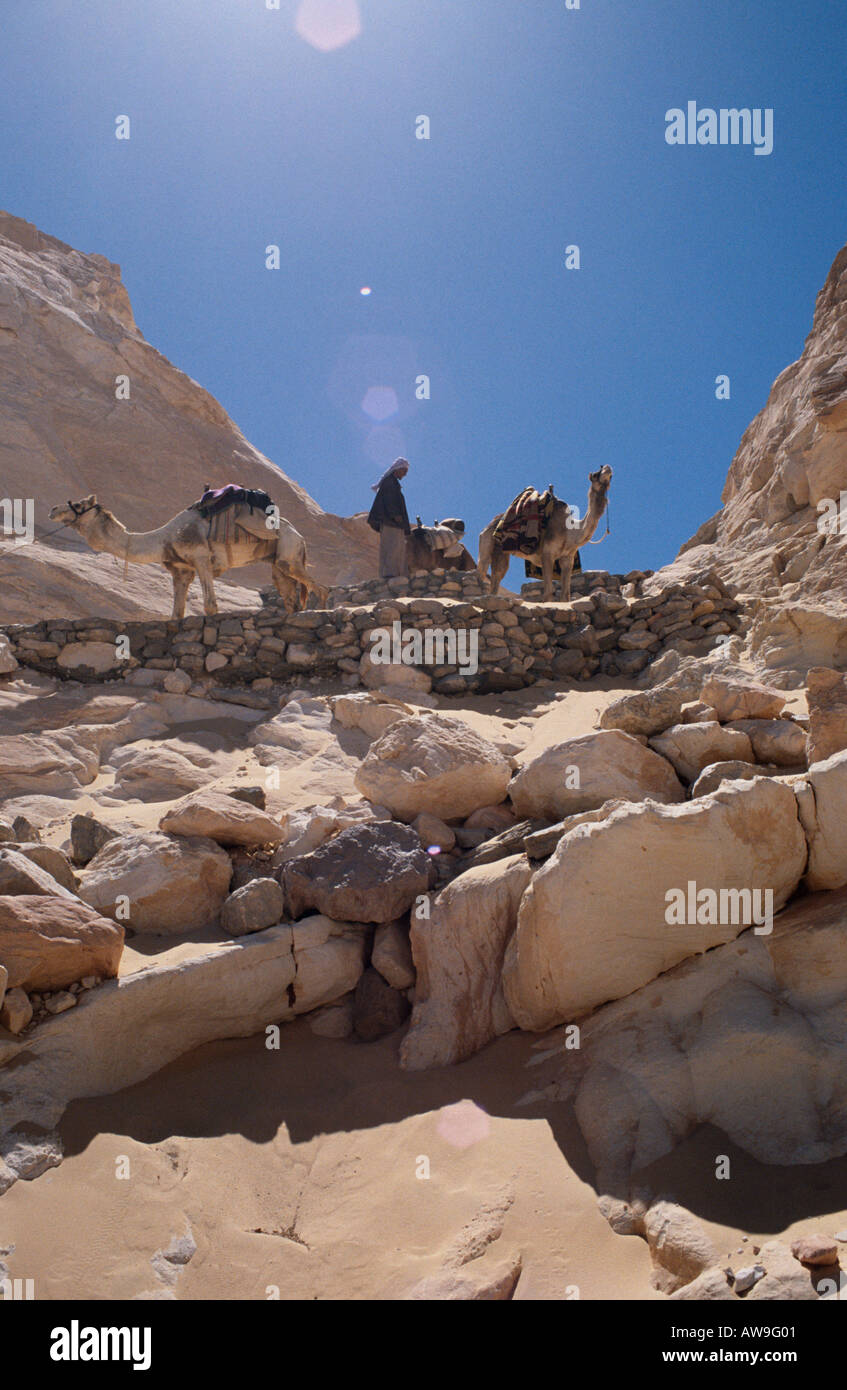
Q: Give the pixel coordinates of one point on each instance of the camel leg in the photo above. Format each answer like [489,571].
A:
[484,560]
[547,563]
[181,576]
[207,584]
[499,567]
[285,587]
[566,564]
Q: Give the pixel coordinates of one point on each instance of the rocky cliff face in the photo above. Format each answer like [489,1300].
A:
[66,333]
[781,535]
[792,458]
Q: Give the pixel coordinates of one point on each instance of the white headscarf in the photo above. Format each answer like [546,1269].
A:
[395,468]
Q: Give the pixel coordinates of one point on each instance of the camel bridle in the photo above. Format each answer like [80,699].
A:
[79,510]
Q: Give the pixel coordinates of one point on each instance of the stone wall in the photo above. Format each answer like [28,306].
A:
[519,642]
[457,584]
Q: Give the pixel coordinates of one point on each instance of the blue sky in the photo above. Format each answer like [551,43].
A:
[547,130]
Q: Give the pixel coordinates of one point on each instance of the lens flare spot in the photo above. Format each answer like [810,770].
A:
[433,849]
[328,24]
[380,403]
[463,1124]
[366,289]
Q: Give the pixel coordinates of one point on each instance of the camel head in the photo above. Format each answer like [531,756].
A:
[601,479]
[72,513]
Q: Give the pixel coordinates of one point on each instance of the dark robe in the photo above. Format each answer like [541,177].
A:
[389,508]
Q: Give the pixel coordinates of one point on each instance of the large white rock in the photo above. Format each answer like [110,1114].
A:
[392,954]
[435,763]
[223,819]
[173,883]
[644,711]
[581,773]
[127,1029]
[691,747]
[826,695]
[780,742]
[47,943]
[371,712]
[825,818]
[732,698]
[592,925]
[458,954]
[714,1041]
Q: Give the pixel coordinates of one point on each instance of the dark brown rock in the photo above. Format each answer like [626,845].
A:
[368,873]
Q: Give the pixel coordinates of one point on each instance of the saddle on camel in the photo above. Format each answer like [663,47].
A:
[440,546]
[216,504]
[522,526]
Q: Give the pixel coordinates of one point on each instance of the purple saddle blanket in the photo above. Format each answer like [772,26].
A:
[217,499]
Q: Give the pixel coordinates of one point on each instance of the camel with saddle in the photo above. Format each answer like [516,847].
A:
[440,546]
[542,528]
[228,527]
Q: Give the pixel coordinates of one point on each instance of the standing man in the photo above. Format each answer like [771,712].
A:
[388,516]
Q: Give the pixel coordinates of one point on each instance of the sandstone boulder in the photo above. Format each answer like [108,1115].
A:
[373,713]
[824,823]
[826,692]
[645,712]
[19,873]
[696,712]
[392,954]
[53,861]
[711,777]
[581,773]
[47,943]
[368,873]
[16,1012]
[433,763]
[329,957]
[598,920]
[680,1248]
[225,819]
[458,954]
[691,747]
[158,774]
[433,832]
[815,1250]
[702,1044]
[257,905]
[88,835]
[735,699]
[777,741]
[173,883]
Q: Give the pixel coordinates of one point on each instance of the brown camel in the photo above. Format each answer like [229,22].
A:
[561,538]
[437,547]
[184,546]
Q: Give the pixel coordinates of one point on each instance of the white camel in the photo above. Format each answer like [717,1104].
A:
[186,546]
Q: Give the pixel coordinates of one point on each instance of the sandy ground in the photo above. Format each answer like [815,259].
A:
[297,1170]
